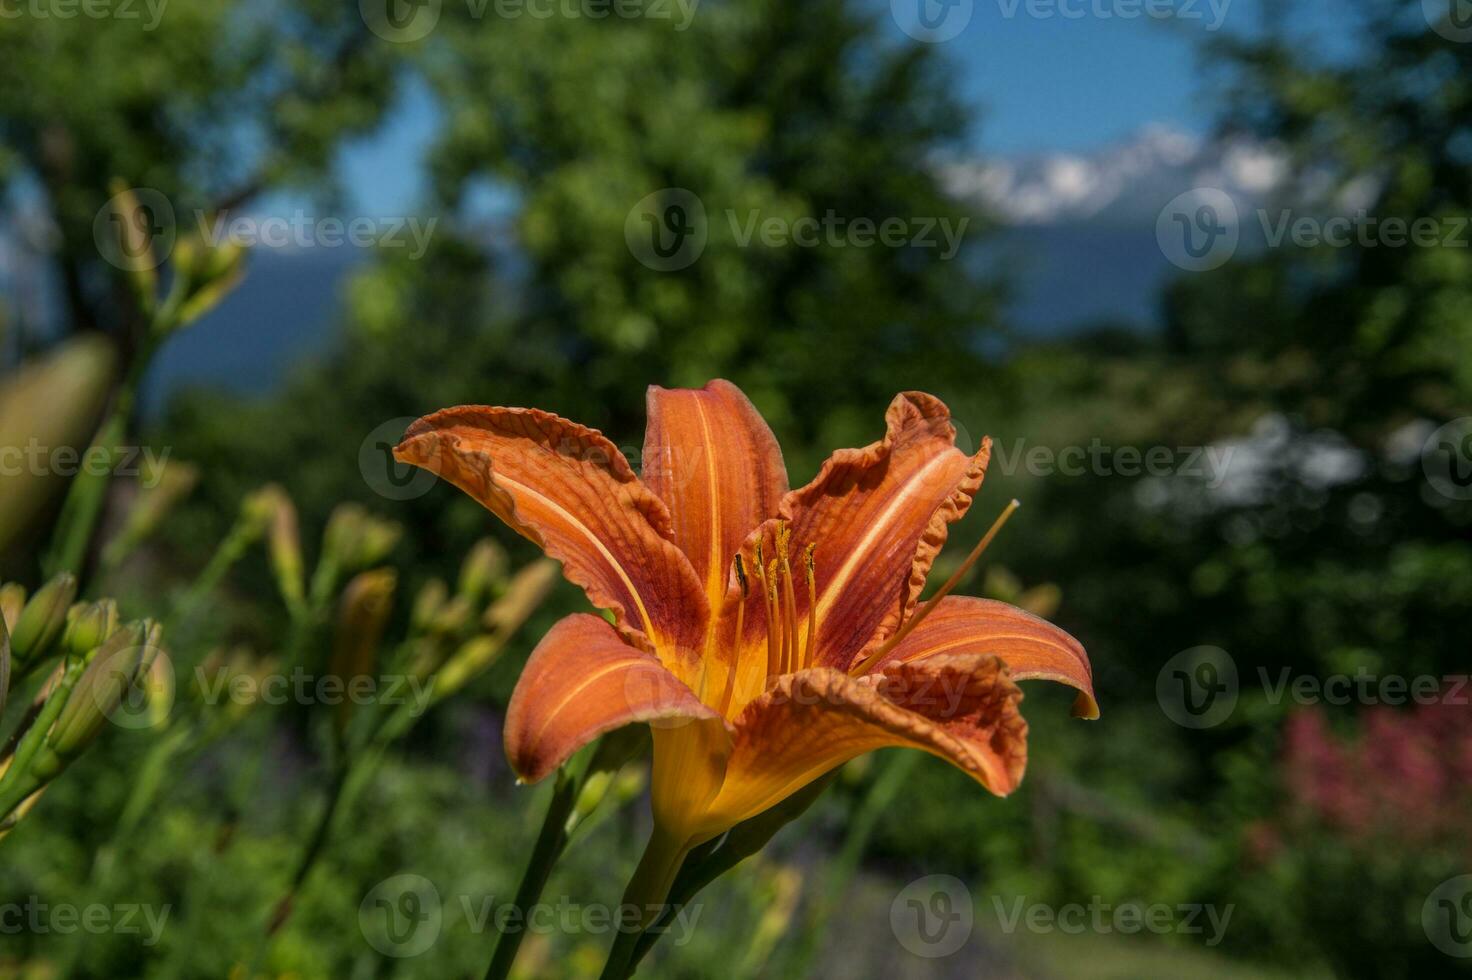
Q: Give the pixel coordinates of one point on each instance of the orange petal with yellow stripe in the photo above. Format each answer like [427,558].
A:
[580,682]
[714,462]
[1032,648]
[960,708]
[878,516]
[569,490]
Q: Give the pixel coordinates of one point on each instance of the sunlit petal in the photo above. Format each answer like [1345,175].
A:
[571,491]
[960,708]
[716,465]
[878,516]
[581,681]
[1033,648]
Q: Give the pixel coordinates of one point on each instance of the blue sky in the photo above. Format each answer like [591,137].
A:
[1038,78]
[1055,83]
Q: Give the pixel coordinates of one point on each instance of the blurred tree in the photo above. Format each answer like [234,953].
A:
[566,124]
[759,111]
[208,103]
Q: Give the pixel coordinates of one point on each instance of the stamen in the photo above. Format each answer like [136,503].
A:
[790,650]
[769,595]
[809,649]
[777,632]
[940,594]
[740,635]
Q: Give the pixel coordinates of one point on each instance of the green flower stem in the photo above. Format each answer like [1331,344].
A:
[83,504]
[315,848]
[648,889]
[230,550]
[144,790]
[82,507]
[18,782]
[707,862]
[548,848]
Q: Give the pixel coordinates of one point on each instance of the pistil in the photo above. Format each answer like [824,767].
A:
[735,660]
[940,593]
[809,649]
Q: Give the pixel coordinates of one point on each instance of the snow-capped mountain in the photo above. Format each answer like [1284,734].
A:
[1124,183]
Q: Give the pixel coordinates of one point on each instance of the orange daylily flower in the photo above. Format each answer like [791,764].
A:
[767,635]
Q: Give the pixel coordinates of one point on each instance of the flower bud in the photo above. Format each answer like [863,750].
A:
[278,515]
[88,625]
[590,796]
[528,589]
[427,604]
[131,223]
[376,541]
[361,616]
[12,600]
[474,656]
[483,568]
[257,509]
[452,617]
[344,527]
[216,274]
[41,621]
[112,670]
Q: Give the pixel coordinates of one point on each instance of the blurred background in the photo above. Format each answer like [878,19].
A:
[1200,268]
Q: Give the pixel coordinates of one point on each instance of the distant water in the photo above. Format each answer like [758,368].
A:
[1068,277]
[284,312]
[1065,277]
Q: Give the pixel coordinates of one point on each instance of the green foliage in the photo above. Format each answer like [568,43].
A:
[553,131]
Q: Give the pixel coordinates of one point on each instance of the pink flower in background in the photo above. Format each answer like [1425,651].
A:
[1402,773]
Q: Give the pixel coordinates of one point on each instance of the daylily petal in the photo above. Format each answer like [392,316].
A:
[581,681]
[960,708]
[570,490]
[714,462]
[878,516]
[1032,648]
